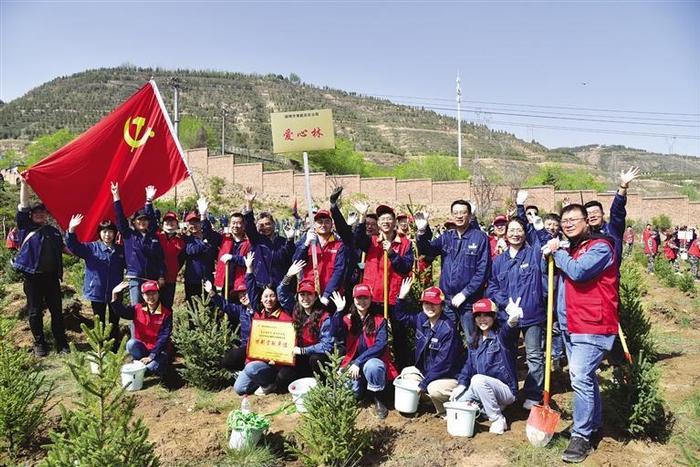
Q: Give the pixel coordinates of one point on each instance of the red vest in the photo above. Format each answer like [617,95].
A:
[326,262]
[493,243]
[172,247]
[650,245]
[228,247]
[352,342]
[307,338]
[669,252]
[374,268]
[279,314]
[147,325]
[591,306]
[694,249]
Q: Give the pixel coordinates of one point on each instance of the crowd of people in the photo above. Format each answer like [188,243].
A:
[333,277]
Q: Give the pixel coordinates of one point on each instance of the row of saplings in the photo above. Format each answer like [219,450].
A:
[101,429]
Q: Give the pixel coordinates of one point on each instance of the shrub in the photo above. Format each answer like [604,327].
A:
[664,271]
[327,434]
[662,221]
[24,396]
[203,338]
[100,429]
[686,284]
[633,320]
[638,400]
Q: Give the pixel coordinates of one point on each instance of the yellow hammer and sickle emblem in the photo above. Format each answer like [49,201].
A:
[137,142]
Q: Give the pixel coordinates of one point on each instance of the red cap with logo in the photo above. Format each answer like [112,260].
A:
[362,290]
[170,215]
[432,295]
[500,219]
[384,209]
[321,213]
[192,216]
[149,286]
[306,286]
[484,306]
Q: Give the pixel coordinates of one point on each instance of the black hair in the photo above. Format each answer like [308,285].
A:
[476,335]
[300,318]
[594,203]
[464,202]
[372,215]
[236,214]
[573,207]
[532,206]
[356,325]
[106,225]
[552,216]
[519,221]
[266,215]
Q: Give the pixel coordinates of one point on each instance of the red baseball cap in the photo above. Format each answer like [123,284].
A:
[240,287]
[362,290]
[192,216]
[402,215]
[149,286]
[432,295]
[484,306]
[306,286]
[321,213]
[170,215]
[384,209]
[500,218]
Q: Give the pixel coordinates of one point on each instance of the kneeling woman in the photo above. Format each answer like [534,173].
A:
[488,378]
[438,354]
[312,324]
[239,315]
[153,327]
[260,377]
[366,337]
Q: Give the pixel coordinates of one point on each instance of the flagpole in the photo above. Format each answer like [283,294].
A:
[172,131]
[459,123]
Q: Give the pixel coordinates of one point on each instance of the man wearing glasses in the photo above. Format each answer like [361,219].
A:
[587,303]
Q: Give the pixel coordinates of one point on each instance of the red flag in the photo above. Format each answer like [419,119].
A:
[135,146]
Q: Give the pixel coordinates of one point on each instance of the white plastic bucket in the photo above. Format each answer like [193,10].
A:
[240,438]
[298,390]
[461,417]
[132,375]
[406,395]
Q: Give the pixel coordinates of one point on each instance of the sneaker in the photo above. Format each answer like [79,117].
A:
[40,350]
[265,390]
[498,426]
[380,410]
[529,404]
[577,451]
[64,351]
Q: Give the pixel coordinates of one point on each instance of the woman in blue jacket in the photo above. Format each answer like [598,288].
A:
[438,344]
[517,275]
[104,269]
[489,378]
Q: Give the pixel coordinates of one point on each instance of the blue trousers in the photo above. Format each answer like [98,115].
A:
[372,377]
[138,350]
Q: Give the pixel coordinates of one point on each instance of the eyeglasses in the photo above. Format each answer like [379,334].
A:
[571,221]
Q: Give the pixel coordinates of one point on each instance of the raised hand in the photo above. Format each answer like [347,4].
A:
[361,207]
[114,186]
[120,287]
[249,258]
[421,220]
[296,268]
[405,287]
[514,311]
[208,287]
[74,222]
[352,218]
[249,196]
[521,197]
[337,191]
[339,301]
[627,177]
[202,206]
[150,193]
[288,231]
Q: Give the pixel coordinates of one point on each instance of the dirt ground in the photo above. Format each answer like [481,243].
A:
[188,425]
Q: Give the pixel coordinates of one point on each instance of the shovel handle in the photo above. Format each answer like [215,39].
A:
[550,325]
[624,343]
[386,285]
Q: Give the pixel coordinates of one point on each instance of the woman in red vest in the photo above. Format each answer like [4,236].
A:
[257,376]
[311,322]
[367,357]
[153,326]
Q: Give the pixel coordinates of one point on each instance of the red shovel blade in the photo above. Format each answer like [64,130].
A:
[541,425]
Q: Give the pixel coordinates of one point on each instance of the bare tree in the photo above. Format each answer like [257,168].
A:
[484,190]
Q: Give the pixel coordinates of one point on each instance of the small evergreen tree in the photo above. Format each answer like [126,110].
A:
[328,434]
[634,322]
[203,338]
[639,404]
[100,430]
[24,396]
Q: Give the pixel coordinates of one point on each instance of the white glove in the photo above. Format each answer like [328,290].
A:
[501,244]
[352,219]
[208,287]
[421,220]
[521,197]
[537,223]
[325,301]
[550,246]
[310,237]
[297,351]
[458,299]
[289,231]
[458,391]
[515,313]
[225,258]
[202,206]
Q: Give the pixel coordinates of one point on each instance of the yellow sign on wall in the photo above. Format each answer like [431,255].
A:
[272,340]
[304,130]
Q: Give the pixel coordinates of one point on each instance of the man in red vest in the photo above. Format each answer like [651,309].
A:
[234,247]
[587,303]
[651,246]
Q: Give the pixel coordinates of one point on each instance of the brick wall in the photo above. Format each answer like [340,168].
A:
[418,192]
[278,182]
[222,167]
[381,190]
[249,175]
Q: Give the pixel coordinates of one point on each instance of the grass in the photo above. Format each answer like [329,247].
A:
[251,456]
[206,402]
[526,455]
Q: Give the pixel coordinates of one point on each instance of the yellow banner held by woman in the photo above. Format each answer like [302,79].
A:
[303,130]
[272,340]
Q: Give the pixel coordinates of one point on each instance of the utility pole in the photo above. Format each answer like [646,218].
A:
[175,83]
[223,128]
[459,123]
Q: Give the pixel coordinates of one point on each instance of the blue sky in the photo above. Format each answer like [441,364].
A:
[635,62]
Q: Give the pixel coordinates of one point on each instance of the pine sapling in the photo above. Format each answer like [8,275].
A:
[101,428]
